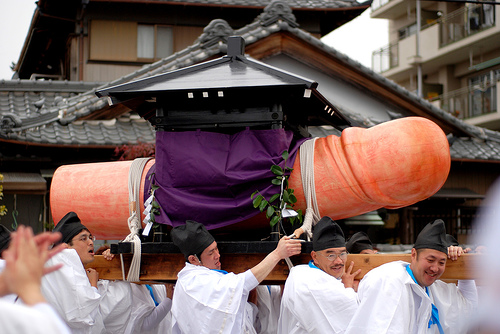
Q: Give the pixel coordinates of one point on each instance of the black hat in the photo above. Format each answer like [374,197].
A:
[191,238]
[451,241]
[4,238]
[433,236]
[327,234]
[358,242]
[69,226]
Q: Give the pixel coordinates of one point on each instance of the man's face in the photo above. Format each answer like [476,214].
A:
[368,251]
[335,268]
[427,265]
[210,257]
[84,245]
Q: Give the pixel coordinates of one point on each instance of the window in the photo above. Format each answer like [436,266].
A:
[113,40]
[129,41]
[154,42]
[407,31]
[483,93]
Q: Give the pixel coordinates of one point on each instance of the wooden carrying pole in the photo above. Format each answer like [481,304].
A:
[164,267]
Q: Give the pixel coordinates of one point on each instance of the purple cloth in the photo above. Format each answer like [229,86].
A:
[209,177]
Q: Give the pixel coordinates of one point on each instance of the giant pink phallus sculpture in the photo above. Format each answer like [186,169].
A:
[390,165]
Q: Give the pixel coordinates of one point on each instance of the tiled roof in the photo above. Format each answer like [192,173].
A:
[475,149]
[32,104]
[56,121]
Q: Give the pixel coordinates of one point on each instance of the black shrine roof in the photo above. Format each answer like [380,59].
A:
[227,82]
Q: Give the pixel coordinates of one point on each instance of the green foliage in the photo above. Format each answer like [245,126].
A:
[155,210]
[283,199]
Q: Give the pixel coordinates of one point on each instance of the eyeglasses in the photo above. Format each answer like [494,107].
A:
[85,238]
[332,256]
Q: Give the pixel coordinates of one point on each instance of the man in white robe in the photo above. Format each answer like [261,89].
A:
[208,300]
[88,305]
[319,297]
[130,308]
[21,275]
[399,297]
[72,290]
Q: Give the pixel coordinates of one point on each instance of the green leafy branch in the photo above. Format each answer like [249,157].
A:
[285,199]
[155,206]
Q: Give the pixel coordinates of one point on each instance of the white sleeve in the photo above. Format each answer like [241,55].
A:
[250,281]
[38,319]
[469,291]
[159,312]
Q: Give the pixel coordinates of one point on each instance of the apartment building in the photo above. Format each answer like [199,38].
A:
[446,52]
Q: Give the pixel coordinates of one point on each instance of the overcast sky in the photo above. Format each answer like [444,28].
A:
[357,39]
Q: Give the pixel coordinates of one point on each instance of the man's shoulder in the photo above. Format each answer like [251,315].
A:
[67,256]
[304,272]
[190,270]
[300,269]
[393,265]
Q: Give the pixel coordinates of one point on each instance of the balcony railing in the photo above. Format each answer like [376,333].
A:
[470,101]
[465,22]
[385,58]
[453,27]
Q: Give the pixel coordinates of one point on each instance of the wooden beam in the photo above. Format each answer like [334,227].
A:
[164,267]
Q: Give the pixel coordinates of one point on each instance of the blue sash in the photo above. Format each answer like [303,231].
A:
[312,265]
[220,271]
[151,293]
[435,314]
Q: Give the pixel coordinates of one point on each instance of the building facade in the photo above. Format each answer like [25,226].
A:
[448,52]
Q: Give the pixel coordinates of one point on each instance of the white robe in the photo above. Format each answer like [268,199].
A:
[165,325]
[268,305]
[37,319]
[391,302]
[125,306]
[315,302]
[68,290]
[249,318]
[207,301]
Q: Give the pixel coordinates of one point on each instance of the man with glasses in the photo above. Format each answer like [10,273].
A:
[72,290]
[90,305]
[319,297]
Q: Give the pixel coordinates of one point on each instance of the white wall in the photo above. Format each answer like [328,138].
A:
[337,91]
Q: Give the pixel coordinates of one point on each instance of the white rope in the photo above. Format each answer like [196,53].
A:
[134,221]
[289,263]
[312,215]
